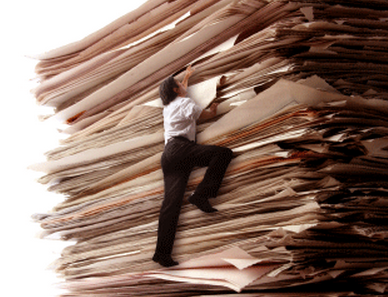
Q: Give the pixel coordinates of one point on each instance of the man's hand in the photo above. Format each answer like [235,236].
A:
[189,71]
[213,109]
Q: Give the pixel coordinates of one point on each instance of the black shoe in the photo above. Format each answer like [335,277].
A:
[202,203]
[164,260]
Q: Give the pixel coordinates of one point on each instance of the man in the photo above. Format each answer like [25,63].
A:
[181,154]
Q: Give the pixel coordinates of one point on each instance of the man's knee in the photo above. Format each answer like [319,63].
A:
[224,155]
[227,153]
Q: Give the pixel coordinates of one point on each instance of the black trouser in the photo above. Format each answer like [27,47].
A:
[180,156]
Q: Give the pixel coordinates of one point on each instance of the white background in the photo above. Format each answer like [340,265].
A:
[31,27]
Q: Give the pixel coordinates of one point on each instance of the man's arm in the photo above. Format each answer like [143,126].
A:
[209,113]
[206,113]
[188,73]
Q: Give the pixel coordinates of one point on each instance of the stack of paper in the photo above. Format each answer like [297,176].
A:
[303,104]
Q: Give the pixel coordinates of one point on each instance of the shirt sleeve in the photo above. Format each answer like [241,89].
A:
[191,110]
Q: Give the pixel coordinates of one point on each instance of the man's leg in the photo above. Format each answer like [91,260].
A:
[175,181]
[217,159]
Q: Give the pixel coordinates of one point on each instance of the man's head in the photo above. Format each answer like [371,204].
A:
[169,89]
[166,90]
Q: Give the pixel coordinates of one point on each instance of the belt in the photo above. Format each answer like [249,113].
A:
[179,138]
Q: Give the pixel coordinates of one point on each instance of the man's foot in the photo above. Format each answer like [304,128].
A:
[202,203]
[164,260]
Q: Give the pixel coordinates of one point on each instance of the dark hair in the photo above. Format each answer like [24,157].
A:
[166,90]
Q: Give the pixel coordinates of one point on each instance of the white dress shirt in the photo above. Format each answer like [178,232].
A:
[180,118]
